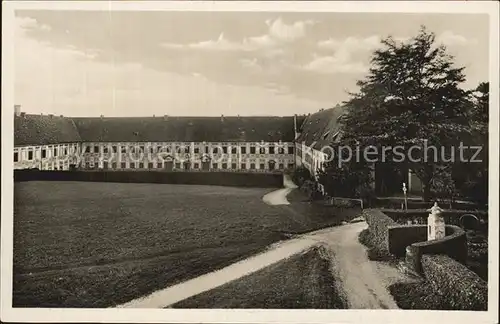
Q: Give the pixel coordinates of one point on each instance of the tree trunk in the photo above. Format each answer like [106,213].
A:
[426,191]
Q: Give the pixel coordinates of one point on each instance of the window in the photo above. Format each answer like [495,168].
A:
[65,151]
[114,148]
[290,150]
[150,165]
[124,165]
[132,165]
[224,149]
[141,165]
[96,149]
[262,150]
[281,166]
[262,166]
[290,165]
[177,165]
[281,150]
[196,166]
[252,150]
[105,165]
[196,150]
[271,149]
[87,165]
[233,166]
[124,149]
[252,166]
[16,156]
[113,165]
[224,166]
[105,149]
[55,151]
[141,148]
[244,150]
[215,150]
[87,149]
[30,155]
[243,166]
[186,149]
[233,150]
[159,165]
[214,166]
[206,149]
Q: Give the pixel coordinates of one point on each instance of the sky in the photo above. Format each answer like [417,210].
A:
[145,63]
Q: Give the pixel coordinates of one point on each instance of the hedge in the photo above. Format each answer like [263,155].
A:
[451,217]
[454,245]
[378,224]
[396,203]
[402,236]
[462,288]
[240,179]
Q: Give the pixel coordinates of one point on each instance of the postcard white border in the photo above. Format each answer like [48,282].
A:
[9,314]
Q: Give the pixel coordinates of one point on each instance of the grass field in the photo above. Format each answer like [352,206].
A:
[303,281]
[79,244]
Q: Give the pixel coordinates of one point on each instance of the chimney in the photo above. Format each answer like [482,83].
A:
[221,118]
[23,114]
[17,110]
[102,116]
[51,115]
[165,117]
[61,115]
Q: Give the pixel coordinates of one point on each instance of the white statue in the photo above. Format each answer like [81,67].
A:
[435,223]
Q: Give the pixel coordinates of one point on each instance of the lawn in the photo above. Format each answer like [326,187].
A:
[303,281]
[80,244]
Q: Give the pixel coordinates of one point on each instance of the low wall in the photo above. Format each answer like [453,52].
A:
[454,245]
[378,225]
[260,180]
[401,236]
[462,288]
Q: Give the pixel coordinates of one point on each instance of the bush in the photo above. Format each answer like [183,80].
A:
[378,225]
[300,175]
[463,289]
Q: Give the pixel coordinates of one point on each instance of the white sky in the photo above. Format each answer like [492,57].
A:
[78,63]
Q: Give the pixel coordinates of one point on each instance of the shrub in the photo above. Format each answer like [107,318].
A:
[463,289]
[378,225]
[300,175]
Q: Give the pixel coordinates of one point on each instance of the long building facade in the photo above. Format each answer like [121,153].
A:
[234,143]
[250,144]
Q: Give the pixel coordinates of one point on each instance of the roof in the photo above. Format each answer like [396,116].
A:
[321,127]
[43,130]
[185,129]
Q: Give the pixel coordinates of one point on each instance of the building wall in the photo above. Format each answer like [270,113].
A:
[46,157]
[257,156]
[310,158]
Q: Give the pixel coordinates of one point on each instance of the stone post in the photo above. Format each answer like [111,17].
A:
[435,223]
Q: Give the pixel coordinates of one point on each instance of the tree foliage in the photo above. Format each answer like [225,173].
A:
[411,97]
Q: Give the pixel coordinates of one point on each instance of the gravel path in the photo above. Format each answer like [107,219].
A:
[362,282]
[278,197]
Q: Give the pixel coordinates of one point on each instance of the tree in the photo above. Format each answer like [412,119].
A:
[411,97]
[472,178]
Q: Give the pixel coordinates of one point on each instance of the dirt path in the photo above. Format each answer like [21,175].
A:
[278,197]
[363,282]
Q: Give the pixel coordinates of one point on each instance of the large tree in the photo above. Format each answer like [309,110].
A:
[411,97]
